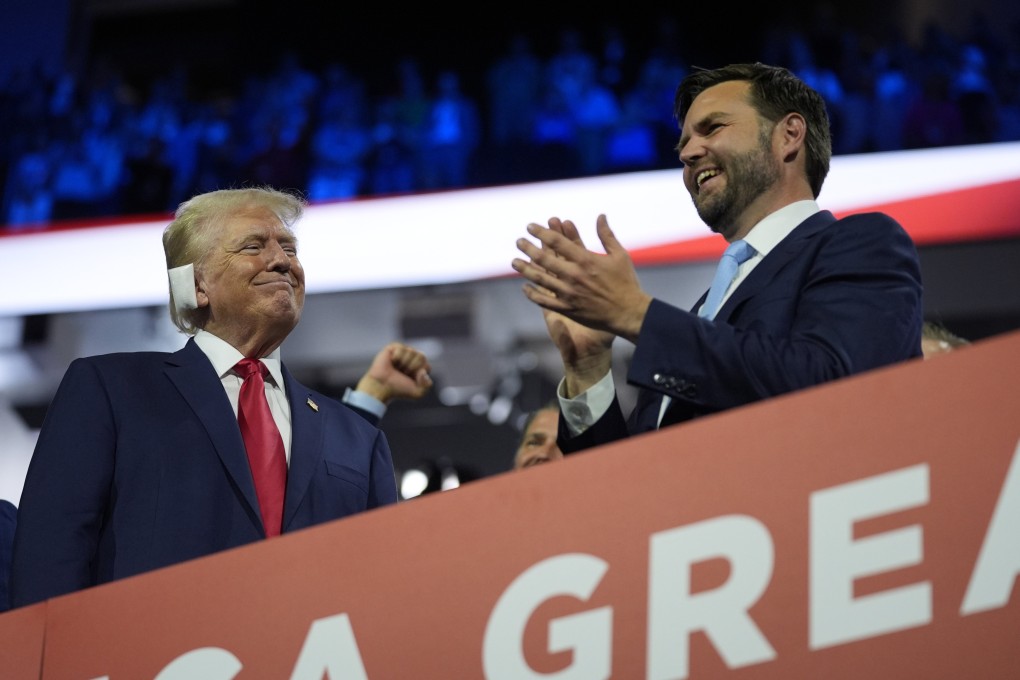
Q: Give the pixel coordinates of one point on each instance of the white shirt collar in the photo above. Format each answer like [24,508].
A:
[225,356]
[765,235]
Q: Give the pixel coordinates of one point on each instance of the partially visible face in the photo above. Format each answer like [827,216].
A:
[727,155]
[539,443]
[252,276]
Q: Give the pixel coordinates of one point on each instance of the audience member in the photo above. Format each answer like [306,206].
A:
[391,164]
[818,298]
[646,127]
[147,459]
[28,199]
[217,143]
[972,90]
[513,84]
[411,109]
[554,138]
[538,441]
[596,112]
[260,129]
[893,92]
[571,64]
[88,165]
[937,339]
[451,135]
[339,149]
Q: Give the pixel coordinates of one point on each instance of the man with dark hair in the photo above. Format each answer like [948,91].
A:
[806,298]
[538,441]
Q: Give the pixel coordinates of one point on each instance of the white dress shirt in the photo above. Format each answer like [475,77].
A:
[224,357]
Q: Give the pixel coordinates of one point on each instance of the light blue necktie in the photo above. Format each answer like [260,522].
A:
[736,254]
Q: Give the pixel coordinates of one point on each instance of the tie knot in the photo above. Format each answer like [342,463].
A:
[741,251]
[736,254]
[246,368]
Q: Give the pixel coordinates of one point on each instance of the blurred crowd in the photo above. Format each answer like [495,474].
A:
[88,144]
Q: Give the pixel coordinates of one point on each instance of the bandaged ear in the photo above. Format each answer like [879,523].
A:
[182,285]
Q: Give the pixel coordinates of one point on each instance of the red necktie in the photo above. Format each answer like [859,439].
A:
[262,440]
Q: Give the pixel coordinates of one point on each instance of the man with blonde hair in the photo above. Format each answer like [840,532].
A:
[147,459]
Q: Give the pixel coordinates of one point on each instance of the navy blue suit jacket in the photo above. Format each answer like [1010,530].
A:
[832,299]
[140,464]
[8,521]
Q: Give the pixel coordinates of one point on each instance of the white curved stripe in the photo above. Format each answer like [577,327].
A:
[867,179]
[455,236]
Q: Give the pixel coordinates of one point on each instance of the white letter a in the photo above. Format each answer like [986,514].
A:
[330,650]
[998,562]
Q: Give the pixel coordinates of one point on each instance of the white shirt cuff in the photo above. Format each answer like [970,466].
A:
[582,411]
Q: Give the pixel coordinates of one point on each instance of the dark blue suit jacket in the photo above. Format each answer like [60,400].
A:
[140,464]
[8,521]
[833,298]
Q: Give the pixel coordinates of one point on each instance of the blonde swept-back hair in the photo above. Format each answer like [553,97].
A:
[189,238]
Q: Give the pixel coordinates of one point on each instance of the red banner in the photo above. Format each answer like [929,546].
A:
[866,528]
[21,642]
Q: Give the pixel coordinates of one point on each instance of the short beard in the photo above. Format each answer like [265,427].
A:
[747,177]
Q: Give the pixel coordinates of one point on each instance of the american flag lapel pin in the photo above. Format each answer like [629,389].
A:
[313,405]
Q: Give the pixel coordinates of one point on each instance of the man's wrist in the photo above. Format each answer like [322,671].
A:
[375,389]
[582,374]
[365,401]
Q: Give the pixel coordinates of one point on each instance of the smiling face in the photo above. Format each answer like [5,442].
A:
[730,165]
[252,281]
[539,442]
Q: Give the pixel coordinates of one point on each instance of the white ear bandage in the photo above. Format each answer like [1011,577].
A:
[182,285]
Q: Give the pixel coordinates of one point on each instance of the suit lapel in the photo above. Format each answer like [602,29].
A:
[193,376]
[786,250]
[305,446]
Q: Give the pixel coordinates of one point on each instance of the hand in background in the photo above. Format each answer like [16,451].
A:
[398,371]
